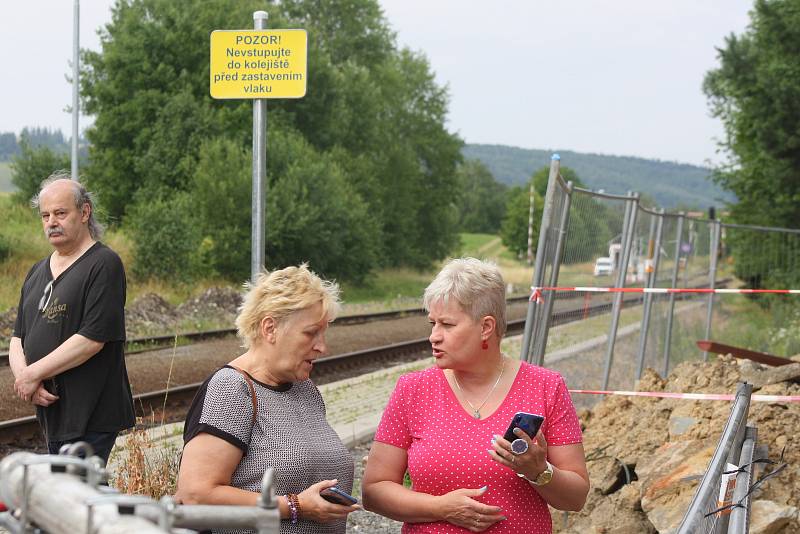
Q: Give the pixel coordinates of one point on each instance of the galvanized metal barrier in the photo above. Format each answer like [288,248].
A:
[739,522]
[64,494]
[729,451]
[634,246]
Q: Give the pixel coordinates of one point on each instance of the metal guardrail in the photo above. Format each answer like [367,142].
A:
[61,494]
[739,522]
[729,449]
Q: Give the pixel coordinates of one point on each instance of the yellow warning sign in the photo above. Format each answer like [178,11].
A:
[258,63]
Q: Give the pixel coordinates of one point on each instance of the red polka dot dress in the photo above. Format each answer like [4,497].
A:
[447,448]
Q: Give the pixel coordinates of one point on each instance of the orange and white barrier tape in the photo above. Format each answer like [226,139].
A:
[691,396]
[536,292]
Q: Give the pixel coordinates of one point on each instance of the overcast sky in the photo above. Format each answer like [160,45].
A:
[612,77]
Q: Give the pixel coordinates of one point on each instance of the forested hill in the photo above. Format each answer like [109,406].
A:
[670,184]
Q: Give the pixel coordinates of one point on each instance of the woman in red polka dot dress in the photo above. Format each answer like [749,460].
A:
[444,425]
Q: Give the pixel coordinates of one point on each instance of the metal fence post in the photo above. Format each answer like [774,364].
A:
[540,343]
[258,243]
[712,278]
[671,307]
[691,250]
[538,271]
[648,297]
[628,228]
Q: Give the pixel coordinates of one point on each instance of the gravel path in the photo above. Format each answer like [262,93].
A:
[364,521]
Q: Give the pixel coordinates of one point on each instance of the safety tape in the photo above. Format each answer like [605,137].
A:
[536,292]
[691,396]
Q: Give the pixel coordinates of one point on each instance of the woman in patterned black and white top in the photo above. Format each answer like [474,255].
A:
[282,321]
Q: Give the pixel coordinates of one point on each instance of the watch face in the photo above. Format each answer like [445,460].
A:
[545,476]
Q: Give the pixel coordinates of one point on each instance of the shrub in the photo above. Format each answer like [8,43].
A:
[167,241]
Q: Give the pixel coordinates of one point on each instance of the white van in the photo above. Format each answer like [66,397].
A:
[603,267]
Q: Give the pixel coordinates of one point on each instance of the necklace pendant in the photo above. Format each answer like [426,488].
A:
[476,414]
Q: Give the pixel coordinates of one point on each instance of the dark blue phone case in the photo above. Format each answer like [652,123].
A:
[528,422]
[337,496]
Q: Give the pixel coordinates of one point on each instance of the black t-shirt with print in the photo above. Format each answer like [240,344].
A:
[88,298]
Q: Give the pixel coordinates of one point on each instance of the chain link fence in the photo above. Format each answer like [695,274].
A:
[592,239]
[596,239]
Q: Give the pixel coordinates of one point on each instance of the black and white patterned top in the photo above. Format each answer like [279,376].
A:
[290,435]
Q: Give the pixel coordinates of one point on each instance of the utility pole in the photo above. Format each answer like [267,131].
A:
[530,227]
[75,87]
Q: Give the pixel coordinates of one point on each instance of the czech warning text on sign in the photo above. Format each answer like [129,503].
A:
[258,63]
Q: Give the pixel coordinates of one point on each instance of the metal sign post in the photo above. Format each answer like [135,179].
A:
[258,64]
[76,24]
[257,241]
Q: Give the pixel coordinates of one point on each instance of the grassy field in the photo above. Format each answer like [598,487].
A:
[401,288]
[5,178]
[21,236]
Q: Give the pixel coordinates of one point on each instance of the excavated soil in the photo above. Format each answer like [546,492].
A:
[632,430]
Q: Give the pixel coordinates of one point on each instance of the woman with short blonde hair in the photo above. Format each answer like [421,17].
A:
[262,410]
[445,425]
[279,294]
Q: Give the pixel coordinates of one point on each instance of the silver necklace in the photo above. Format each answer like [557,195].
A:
[476,412]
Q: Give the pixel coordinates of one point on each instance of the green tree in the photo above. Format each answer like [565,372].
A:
[221,185]
[167,243]
[373,118]
[482,199]
[514,228]
[32,165]
[589,219]
[755,92]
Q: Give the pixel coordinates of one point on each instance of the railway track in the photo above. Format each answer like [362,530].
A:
[25,430]
[145,344]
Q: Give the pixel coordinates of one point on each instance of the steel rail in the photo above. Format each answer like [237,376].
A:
[145,344]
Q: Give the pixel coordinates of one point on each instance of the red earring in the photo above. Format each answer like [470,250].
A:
[485,345]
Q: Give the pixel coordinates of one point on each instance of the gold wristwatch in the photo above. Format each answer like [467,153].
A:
[543,478]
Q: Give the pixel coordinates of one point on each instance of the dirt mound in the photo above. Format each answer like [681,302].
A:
[215,303]
[152,315]
[149,314]
[647,455]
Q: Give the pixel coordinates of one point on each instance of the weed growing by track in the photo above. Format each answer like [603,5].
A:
[145,467]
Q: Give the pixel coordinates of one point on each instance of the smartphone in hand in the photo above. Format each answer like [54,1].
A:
[528,422]
[337,496]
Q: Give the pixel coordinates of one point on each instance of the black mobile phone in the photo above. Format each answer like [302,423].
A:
[528,422]
[337,496]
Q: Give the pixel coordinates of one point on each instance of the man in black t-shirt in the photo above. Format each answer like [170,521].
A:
[66,351]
